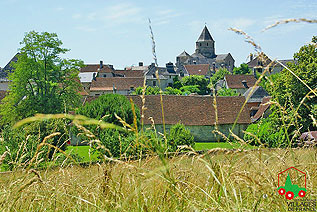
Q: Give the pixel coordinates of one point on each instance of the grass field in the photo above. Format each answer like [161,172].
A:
[226,145]
[85,152]
[223,180]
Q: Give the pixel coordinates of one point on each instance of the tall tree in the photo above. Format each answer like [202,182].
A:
[42,81]
[197,80]
[288,90]
[243,69]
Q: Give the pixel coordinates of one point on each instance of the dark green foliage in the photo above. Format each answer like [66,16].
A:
[289,91]
[177,83]
[267,132]
[42,82]
[178,136]
[227,92]
[243,69]
[172,91]
[186,90]
[219,75]
[196,80]
[148,91]
[104,108]
[22,143]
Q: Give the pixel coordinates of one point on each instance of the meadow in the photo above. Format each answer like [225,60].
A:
[220,180]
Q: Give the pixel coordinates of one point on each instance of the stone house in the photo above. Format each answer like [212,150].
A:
[239,82]
[4,81]
[255,96]
[264,109]
[119,85]
[260,62]
[205,54]
[200,69]
[197,113]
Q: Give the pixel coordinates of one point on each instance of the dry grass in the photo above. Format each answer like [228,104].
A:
[220,181]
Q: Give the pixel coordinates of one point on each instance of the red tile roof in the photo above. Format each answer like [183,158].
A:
[193,110]
[90,68]
[235,81]
[263,107]
[201,69]
[130,73]
[120,83]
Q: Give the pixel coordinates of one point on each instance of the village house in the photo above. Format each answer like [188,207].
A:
[197,113]
[254,97]
[4,81]
[205,54]
[239,82]
[260,62]
[201,69]
[264,109]
[119,85]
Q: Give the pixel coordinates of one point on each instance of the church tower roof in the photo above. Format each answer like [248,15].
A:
[205,35]
[183,54]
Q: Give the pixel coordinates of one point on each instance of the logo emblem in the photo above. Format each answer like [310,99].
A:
[291,190]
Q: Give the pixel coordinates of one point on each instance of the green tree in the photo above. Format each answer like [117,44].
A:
[186,90]
[177,83]
[148,91]
[227,92]
[196,80]
[104,108]
[243,69]
[288,91]
[172,91]
[219,75]
[42,81]
[178,136]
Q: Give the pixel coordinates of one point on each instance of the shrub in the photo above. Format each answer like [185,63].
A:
[21,144]
[104,108]
[267,133]
[179,135]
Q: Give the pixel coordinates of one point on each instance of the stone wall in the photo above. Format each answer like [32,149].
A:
[205,133]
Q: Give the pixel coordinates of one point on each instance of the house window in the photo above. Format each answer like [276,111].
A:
[154,83]
[200,44]
[105,75]
[207,44]
[97,94]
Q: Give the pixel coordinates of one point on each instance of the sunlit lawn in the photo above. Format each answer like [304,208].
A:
[226,145]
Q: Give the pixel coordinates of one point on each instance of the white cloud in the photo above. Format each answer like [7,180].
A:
[242,23]
[164,16]
[86,28]
[59,9]
[121,13]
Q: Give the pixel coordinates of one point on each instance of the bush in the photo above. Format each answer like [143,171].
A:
[104,108]
[172,91]
[267,133]
[21,144]
[179,135]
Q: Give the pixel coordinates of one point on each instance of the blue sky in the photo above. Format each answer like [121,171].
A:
[117,31]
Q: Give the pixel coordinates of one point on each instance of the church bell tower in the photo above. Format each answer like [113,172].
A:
[205,45]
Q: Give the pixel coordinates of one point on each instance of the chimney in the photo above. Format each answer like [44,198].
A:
[245,84]
[140,63]
[101,64]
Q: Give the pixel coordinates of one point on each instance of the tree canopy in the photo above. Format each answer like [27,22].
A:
[243,69]
[42,82]
[220,74]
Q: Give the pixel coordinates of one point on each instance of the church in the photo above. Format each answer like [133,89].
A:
[205,54]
